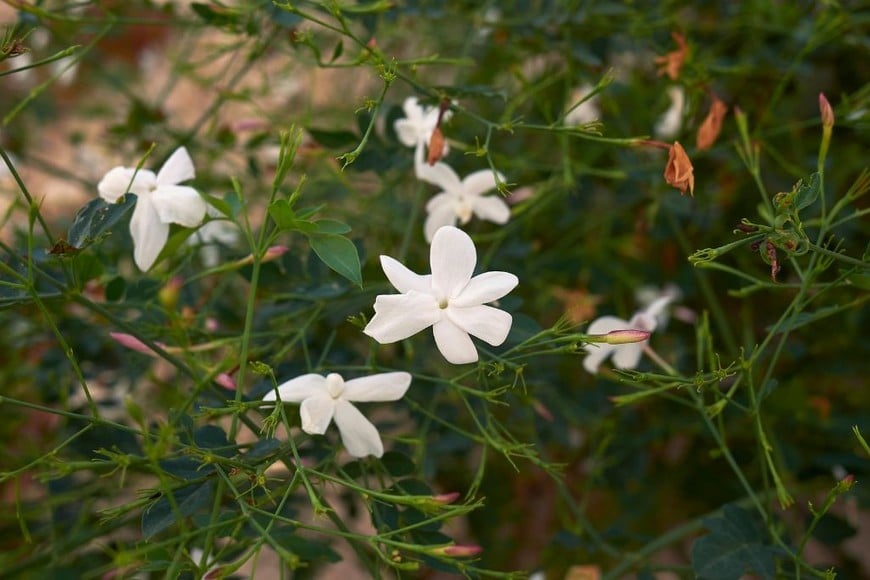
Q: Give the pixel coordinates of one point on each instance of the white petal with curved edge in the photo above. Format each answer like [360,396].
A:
[379,387]
[179,204]
[406,131]
[492,208]
[403,279]
[597,353]
[485,288]
[120,180]
[178,168]
[440,215]
[298,389]
[627,356]
[148,232]
[489,324]
[605,324]
[452,258]
[316,413]
[359,436]
[480,182]
[441,175]
[454,343]
[413,110]
[398,316]
[655,309]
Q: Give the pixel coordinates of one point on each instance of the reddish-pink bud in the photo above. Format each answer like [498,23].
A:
[226,381]
[626,336]
[274,252]
[826,111]
[133,343]
[446,498]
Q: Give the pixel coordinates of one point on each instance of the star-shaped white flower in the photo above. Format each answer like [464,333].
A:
[460,198]
[449,300]
[625,356]
[212,235]
[415,130]
[326,398]
[160,201]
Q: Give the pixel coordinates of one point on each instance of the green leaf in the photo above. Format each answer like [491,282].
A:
[189,499]
[331,227]
[338,253]
[95,218]
[397,464]
[307,550]
[735,546]
[337,51]
[282,213]
[807,192]
[220,17]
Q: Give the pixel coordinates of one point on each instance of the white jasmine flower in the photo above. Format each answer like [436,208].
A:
[211,236]
[460,198]
[449,300]
[587,111]
[416,128]
[160,201]
[625,356]
[647,295]
[326,398]
[669,124]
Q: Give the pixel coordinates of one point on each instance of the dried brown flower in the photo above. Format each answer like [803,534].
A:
[709,130]
[436,146]
[679,172]
[671,63]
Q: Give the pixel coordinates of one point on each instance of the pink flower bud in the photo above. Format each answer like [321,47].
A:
[446,498]
[627,336]
[226,381]
[274,252]
[827,111]
[133,343]
[457,551]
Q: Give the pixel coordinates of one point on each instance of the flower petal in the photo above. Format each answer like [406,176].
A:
[627,356]
[406,131]
[148,232]
[178,168]
[403,279]
[605,324]
[440,214]
[439,174]
[489,324]
[120,180]
[485,288]
[480,181]
[492,208]
[398,316]
[179,204]
[454,343]
[452,258]
[316,413]
[359,436]
[298,389]
[597,353]
[379,387]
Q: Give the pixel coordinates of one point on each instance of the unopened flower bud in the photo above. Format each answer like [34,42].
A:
[272,253]
[826,111]
[457,551]
[168,295]
[226,381]
[436,147]
[133,343]
[627,336]
[446,498]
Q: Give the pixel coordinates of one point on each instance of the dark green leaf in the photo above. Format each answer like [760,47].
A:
[397,464]
[337,51]
[115,289]
[95,218]
[189,500]
[221,17]
[736,545]
[308,550]
[214,438]
[282,213]
[338,253]
[334,139]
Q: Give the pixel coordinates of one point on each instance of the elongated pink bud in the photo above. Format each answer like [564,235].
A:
[226,381]
[133,343]
[457,550]
[826,111]
[446,498]
[627,336]
[271,253]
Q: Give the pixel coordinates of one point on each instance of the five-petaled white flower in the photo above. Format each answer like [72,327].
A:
[625,356]
[415,130]
[326,398]
[460,198]
[449,300]
[212,235]
[159,202]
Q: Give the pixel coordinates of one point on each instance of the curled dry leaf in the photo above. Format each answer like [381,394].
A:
[709,130]
[672,63]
